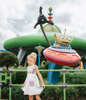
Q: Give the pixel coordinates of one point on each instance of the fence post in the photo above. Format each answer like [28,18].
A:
[10,84]
[0,81]
[0,90]
[64,85]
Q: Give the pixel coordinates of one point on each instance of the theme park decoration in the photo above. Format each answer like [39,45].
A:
[1,52]
[57,58]
[39,49]
[62,57]
[50,17]
[61,53]
[32,40]
[62,41]
[42,20]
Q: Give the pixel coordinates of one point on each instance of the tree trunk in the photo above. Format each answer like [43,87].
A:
[7,67]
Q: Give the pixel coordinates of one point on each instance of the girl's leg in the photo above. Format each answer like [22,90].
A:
[37,97]
[31,97]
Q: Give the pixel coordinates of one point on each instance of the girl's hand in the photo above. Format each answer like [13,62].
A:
[43,86]
[23,85]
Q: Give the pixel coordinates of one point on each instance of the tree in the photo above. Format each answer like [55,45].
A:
[8,59]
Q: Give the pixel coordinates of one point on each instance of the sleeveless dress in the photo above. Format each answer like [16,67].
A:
[31,86]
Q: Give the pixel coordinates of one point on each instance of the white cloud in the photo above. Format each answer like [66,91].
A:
[77,23]
[6,34]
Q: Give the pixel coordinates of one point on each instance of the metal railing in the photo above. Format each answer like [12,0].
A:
[64,85]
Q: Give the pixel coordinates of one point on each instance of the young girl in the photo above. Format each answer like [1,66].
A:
[31,85]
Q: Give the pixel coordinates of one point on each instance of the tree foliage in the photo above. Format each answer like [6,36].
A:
[8,59]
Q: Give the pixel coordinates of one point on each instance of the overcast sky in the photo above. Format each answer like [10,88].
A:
[17,17]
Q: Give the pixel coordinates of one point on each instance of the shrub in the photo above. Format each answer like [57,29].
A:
[76,78]
[56,93]
[17,94]
[66,67]
[61,77]
[20,77]
[46,64]
[71,93]
[49,93]
[5,92]
[43,73]
[82,91]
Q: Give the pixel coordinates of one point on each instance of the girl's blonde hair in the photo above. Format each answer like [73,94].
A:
[33,55]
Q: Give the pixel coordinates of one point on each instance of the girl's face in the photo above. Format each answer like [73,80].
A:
[30,61]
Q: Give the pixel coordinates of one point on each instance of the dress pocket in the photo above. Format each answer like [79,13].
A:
[31,83]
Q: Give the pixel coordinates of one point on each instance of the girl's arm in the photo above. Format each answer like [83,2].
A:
[37,71]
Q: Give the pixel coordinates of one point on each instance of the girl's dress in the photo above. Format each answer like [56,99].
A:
[31,86]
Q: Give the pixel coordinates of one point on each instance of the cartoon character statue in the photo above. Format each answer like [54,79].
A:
[42,19]
[62,41]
